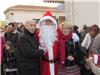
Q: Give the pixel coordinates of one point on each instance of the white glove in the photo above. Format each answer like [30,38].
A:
[41,48]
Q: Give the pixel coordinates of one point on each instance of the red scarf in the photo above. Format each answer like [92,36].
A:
[63,40]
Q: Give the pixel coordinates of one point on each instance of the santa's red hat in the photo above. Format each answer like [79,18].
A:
[47,16]
[48,13]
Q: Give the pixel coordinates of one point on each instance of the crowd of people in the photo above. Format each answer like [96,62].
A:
[46,48]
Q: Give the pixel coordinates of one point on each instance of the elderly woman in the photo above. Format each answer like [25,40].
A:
[69,51]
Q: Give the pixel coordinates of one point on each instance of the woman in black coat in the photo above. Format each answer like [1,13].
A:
[28,55]
[71,55]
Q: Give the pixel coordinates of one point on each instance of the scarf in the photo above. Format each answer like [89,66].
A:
[63,39]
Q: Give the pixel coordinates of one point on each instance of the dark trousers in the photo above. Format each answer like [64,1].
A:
[2,69]
[29,72]
[11,73]
[85,71]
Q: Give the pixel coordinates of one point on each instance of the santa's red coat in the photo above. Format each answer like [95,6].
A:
[45,65]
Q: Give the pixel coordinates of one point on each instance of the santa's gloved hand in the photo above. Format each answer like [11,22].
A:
[41,48]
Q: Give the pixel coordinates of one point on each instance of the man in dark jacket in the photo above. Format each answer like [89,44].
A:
[28,54]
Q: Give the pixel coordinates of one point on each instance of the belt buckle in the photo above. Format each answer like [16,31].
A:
[51,61]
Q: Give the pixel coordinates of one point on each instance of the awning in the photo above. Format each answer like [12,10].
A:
[54,1]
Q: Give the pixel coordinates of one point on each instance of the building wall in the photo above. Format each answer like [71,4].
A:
[86,13]
[80,13]
[9,17]
[22,16]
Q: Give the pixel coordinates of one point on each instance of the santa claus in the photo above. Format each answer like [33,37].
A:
[49,43]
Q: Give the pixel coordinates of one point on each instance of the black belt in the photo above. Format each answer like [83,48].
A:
[51,61]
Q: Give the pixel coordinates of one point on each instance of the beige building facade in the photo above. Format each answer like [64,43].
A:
[21,13]
[77,12]
[56,1]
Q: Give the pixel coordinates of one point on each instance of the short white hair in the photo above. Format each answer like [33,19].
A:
[30,21]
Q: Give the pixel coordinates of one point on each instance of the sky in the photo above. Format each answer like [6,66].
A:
[4,4]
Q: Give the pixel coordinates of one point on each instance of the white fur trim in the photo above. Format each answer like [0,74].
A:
[47,17]
[50,52]
[52,69]
[75,37]
[95,59]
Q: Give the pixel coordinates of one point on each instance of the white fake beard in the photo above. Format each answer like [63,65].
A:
[48,35]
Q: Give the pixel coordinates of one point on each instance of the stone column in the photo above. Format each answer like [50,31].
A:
[69,11]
